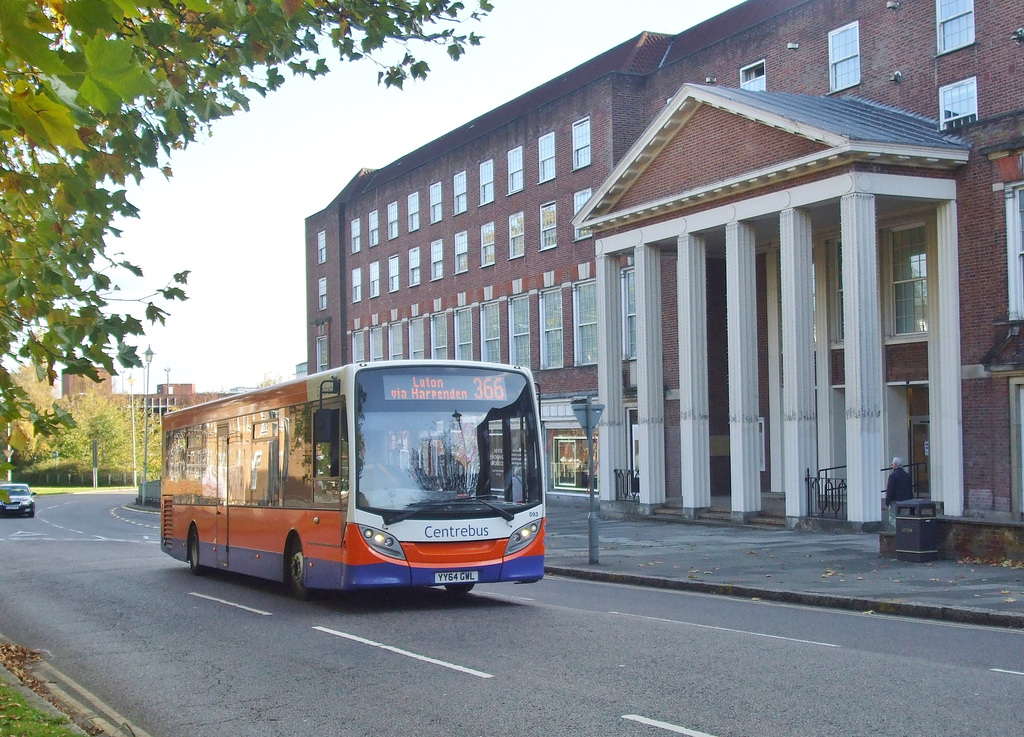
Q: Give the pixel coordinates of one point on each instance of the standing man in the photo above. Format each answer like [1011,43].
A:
[899,488]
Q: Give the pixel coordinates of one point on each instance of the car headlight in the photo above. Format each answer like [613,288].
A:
[522,537]
[382,542]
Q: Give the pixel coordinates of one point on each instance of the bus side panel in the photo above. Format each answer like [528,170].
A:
[258,536]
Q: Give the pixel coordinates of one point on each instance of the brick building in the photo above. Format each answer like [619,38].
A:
[784,243]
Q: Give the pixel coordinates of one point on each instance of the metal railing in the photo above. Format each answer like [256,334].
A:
[826,493]
[627,484]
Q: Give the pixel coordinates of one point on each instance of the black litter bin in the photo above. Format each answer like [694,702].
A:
[916,531]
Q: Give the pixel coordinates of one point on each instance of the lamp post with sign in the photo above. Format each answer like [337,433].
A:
[145,443]
[9,451]
[588,415]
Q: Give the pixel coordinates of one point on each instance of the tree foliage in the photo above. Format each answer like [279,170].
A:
[94,93]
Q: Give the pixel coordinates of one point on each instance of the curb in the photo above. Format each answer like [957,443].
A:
[961,615]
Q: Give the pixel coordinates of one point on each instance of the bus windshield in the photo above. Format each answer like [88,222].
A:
[445,442]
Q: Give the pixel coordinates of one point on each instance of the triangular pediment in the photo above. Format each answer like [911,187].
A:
[713,142]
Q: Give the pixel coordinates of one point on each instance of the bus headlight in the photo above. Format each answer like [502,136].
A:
[382,542]
[522,537]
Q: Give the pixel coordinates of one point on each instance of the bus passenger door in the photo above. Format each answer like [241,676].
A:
[222,495]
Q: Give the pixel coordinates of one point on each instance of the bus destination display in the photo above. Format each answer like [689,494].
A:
[427,387]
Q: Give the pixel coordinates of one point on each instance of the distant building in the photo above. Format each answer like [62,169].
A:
[783,243]
[71,384]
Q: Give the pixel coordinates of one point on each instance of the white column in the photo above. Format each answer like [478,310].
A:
[650,392]
[741,318]
[694,432]
[863,359]
[776,442]
[799,419]
[611,437]
[945,408]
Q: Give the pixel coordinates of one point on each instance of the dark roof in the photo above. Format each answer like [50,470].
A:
[851,117]
[727,23]
[640,56]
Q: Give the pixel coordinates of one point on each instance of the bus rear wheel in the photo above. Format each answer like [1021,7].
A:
[458,589]
[295,570]
[193,553]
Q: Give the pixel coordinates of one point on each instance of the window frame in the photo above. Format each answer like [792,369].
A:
[321,246]
[581,329]
[437,259]
[550,357]
[548,229]
[579,200]
[464,334]
[321,293]
[373,279]
[893,321]
[486,182]
[1014,195]
[357,284]
[439,348]
[516,178]
[323,352]
[517,236]
[490,332]
[834,62]
[581,151]
[414,266]
[461,252]
[395,338]
[460,199]
[417,344]
[377,343]
[436,203]
[394,273]
[373,222]
[358,346]
[488,245]
[546,164]
[356,234]
[629,314]
[941,24]
[413,214]
[516,334]
[958,121]
[749,80]
[392,220]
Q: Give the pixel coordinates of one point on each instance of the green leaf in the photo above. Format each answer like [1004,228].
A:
[46,121]
[114,77]
[25,43]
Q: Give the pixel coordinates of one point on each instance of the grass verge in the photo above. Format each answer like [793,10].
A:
[17,717]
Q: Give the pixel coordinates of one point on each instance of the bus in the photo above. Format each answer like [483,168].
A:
[383,474]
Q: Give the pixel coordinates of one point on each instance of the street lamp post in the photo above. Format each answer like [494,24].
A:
[588,415]
[145,443]
[135,461]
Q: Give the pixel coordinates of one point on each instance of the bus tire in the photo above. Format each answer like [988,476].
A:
[458,589]
[295,569]
[193,553]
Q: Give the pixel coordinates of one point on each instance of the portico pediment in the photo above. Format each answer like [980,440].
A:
[711,142]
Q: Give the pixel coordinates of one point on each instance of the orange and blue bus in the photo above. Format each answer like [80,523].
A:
[397,473]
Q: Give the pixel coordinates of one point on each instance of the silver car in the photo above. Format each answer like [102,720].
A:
[16,499]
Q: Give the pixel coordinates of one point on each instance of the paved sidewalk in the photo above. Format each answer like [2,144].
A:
[819,569]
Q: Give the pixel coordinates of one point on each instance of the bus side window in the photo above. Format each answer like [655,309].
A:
[326,442]
[343,471]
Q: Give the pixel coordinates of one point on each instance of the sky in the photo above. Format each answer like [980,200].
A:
[233,212]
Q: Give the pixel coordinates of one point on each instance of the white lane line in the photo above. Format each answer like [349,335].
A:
[1011,672]
[406,653]
[727,629]
[665,725]
[230,603]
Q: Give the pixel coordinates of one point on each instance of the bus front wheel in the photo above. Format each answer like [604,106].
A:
[295,570]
